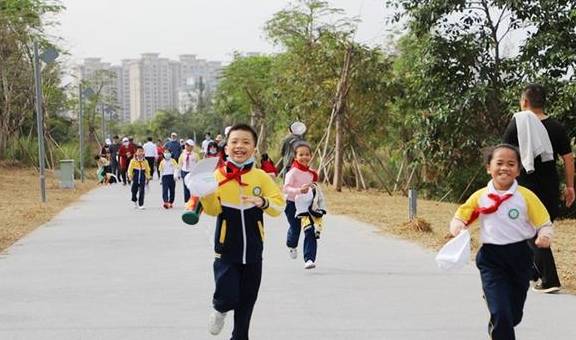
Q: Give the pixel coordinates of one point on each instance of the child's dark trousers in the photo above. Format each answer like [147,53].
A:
[237,288]
[168,187]
[295,225]
[505,271]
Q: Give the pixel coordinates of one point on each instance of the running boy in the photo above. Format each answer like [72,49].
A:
[299,180]
[244,194]
[168,168]
[510,215]
[139,174]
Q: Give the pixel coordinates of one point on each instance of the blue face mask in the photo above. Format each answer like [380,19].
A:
[167,155]
[245,163]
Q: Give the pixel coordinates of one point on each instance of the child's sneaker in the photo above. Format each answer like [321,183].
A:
[216,322]
[141,207]
[166,205]
[135,205]
[293,252]
[309,264]
[170,205]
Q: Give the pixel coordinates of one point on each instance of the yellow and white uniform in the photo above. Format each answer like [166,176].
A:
[518,218]
[239,233]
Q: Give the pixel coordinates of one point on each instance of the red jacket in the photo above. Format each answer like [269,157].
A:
[125,154]
[269,167]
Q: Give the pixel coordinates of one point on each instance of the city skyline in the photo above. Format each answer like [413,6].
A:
[137,89]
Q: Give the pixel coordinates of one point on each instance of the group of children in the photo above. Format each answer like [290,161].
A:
[509,215]
[170,170]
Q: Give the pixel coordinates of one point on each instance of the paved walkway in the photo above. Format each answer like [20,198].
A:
[102,270]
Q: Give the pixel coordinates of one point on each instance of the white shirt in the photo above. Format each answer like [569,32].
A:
[187,161]
[169,167]
[517,219]
[205,145]
[149,149]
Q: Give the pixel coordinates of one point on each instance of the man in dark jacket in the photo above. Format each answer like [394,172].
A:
[174,146]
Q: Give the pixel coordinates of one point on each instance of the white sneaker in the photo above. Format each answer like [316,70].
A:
[309,264]
[216,322]
[141,207]
[293,253]
[135,205]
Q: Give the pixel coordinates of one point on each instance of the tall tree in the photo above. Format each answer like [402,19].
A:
[21,22]
[458,85]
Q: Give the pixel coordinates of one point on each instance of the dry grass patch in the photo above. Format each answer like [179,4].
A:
[390,215]
[21,209]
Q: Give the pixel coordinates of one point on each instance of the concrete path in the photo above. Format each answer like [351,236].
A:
[102,270]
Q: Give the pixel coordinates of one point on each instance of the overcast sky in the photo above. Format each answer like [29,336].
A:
[211,29]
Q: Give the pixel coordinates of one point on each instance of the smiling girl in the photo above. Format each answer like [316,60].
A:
[509,215]
[299,180]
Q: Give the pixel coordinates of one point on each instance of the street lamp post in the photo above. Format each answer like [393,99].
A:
[81,130]
[103,124]
[39,121]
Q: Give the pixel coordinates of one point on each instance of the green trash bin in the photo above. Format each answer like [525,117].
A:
[67,173]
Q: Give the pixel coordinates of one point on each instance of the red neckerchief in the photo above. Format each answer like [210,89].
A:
[233,173]
[305,168]
[498,200]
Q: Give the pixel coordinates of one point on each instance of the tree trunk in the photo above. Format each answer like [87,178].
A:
[263,138]
[339,109]
[338,157]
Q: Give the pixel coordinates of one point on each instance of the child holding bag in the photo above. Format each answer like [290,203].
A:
[509,215]
[299,181]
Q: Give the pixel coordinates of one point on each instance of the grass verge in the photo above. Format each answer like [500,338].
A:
[21,208]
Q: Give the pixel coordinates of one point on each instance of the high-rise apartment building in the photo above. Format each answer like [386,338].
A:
[139,88]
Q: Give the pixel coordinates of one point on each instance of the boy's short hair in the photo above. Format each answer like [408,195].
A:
[243,127]
[489,152]
[139,147]
[535,94]
[149,139]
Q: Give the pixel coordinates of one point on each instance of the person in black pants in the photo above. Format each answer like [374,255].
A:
[168,168]
[151,153]
[544,180]
[139,174]
[243,196]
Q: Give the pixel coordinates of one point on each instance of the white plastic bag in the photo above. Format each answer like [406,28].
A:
[201,181]
[455,254]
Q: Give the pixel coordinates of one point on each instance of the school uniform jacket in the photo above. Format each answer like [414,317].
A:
[168,167]
[239,235]
[139,170]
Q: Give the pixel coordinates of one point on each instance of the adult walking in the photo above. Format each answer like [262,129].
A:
[125,155]
[205,143]
[297,130]
[542,140]
[174,146]
[114,148]
[150,153]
